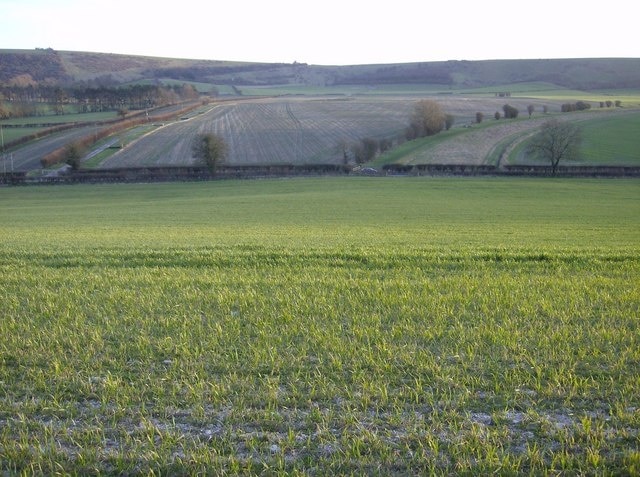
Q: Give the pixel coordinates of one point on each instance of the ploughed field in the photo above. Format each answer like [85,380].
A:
[294,130]
[313,130]
[321,326]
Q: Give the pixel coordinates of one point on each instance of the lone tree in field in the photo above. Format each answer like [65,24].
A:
[364,150]
[343,148]
[530,109]
[210,149]
[370,148]
[556,141]
[510,112]
[448,121]
[427,119]
[73,154]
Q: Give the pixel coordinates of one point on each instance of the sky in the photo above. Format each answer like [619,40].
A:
[327,32]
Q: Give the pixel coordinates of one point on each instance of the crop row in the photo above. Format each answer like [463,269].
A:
[274,131]
[303,131]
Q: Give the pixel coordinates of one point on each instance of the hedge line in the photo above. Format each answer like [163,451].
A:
[58,156]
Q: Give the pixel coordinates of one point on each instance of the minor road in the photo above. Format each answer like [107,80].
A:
[27,157]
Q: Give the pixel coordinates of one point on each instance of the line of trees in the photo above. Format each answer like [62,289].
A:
[427,119]
[363,150]
[583,105]
[68,152]
[24,101]
[577,106]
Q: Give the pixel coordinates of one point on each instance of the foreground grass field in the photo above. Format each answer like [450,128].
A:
[321,326]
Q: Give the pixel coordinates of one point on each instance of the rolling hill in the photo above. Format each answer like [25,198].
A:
[310,114]
[73,67]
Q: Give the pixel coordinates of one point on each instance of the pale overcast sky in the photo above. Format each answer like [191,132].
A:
[327,32]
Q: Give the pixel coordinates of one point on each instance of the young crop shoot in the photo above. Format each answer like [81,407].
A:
[247,328]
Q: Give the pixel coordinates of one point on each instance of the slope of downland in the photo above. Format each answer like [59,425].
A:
[73,66]
[607,139]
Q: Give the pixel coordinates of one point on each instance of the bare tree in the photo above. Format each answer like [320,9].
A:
[530,109]
[211,149]
[343,148]
[448,121]
[357,151]
[370,147]
[364,150]
[556,141]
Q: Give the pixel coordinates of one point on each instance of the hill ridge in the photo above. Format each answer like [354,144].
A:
[47,66]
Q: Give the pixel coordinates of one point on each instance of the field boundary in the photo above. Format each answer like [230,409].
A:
[510,170]
[198,173]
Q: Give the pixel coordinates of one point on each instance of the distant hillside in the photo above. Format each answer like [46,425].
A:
[22,67]
[69,67]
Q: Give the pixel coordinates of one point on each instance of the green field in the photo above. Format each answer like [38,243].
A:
[321,326]
[63,118]
[14,133]
[612,140]
[606,140]
[11,134]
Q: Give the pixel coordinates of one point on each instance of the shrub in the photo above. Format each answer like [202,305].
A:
[448,121]
[510,112]
[210,149]
[427,119]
